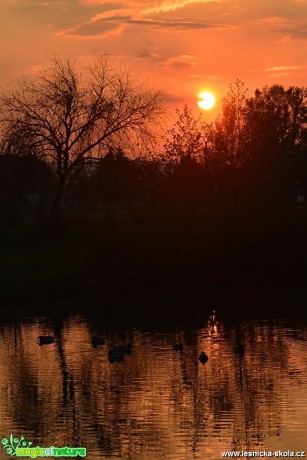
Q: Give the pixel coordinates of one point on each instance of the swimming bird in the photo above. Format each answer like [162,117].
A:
[203,358]
[178,347]
[98,341]
[116,356]
[45,339]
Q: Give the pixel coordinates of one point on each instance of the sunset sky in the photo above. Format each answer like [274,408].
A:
[182,46]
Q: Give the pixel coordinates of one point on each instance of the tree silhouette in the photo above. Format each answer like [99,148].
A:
[277,122]
[231,129]
[69,115]
[188,139]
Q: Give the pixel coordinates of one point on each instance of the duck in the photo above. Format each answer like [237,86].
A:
[45,339]
[178,347]
[203,358]
[116,356]
[98,341]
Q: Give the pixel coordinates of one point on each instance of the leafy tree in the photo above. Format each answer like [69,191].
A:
[188,139]
[277,120]
[231,130]
[70,115]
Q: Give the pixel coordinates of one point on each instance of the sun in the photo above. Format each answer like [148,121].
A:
[206,100]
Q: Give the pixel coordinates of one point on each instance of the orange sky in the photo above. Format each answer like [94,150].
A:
[182,46]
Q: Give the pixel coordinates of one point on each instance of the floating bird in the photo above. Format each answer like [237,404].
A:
[178,347]
[98,341]
[203,358]
[45,339]
[116,356]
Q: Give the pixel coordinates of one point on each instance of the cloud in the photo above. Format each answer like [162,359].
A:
[183,63]
[93,29]
[151,53]
[299,33]
[96,2]
[111,22]
[272,20]
[58,14]
[280,74]
[205,77]
[33,69]
[284,67]
[194,38]
[240,11]
[175,5]
[174,24]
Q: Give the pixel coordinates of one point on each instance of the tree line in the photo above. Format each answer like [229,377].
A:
[86,136]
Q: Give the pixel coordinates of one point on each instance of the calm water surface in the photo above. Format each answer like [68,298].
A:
[158,403]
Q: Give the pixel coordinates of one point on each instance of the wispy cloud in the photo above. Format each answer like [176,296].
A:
[150,53]
[279,74]
[183,63]
[281,68]
[57,14]
[112,22]
[299,33]
[173,5]
[96,2]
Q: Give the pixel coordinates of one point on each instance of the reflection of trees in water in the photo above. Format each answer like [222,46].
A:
[260,397]
[27,372]
[156,401]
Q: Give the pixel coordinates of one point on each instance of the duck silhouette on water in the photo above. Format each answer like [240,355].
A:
[116,356]
[45,339]
[203,358]
[98,341]
[178,347]
[117,352]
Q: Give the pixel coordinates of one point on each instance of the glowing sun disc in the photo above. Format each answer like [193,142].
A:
[207,100]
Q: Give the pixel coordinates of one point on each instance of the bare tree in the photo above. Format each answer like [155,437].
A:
[69,115]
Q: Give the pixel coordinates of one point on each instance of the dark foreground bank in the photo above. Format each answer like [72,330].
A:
[130,270]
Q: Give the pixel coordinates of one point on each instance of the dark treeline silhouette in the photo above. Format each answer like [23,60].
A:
[223,201]
[26,188]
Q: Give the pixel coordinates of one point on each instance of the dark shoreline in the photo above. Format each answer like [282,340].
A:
[162,303]
[127,271]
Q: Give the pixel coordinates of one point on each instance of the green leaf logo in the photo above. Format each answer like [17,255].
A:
[10,445]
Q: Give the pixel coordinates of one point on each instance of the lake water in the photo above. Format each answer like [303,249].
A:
[158,403]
